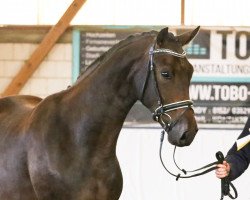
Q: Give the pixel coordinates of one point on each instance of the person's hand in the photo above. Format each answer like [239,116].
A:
[223,170]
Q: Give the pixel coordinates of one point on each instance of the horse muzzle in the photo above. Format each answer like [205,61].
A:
[182,128]
[181,139]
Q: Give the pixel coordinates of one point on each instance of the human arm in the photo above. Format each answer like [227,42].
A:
[236,161]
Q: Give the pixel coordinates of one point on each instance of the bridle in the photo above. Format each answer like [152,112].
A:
[164,109]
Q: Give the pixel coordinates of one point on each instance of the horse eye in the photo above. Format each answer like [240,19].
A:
[166,75]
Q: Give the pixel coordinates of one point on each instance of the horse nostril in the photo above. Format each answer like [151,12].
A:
[183,137]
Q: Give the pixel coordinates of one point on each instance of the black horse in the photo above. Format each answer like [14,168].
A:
[64,146]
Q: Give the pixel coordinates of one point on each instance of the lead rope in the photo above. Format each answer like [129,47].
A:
[191,171]
[225,183]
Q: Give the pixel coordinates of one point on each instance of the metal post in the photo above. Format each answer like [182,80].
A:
[182,12]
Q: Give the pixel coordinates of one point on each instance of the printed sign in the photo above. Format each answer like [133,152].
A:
[220,85]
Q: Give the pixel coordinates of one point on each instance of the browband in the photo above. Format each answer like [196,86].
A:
[168,51]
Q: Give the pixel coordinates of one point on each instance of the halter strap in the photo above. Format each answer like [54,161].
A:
[173,106]
[163,109]
[153,51]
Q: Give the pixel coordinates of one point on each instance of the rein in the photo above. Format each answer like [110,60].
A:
[225,183]
[163,110]
[178,176]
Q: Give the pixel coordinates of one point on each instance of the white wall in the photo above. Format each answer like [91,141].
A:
[53,75]
[128,12]
[145,178]
[217,13]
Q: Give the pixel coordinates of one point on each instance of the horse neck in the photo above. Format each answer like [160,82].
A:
[109,86]
[100,101]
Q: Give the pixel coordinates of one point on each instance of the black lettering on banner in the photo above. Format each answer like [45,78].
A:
[95,43]
[220,103]
[224,42]
[219,92]
[237,44]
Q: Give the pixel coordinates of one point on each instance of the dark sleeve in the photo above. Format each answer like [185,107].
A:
[239,160]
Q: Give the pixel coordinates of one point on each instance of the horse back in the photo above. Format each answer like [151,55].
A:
[17,102]
[14,110]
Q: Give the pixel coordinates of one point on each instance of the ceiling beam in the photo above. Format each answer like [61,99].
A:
[30,66]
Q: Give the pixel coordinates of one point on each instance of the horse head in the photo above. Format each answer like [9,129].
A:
[166,88]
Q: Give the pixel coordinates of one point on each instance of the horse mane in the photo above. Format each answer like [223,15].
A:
[121,44]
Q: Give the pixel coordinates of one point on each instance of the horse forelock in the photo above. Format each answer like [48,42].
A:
[172,42]
[171,37]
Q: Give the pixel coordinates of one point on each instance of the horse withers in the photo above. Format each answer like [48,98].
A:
[63,147]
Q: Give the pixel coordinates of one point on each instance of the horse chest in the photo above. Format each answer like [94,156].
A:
[100,182]
[90,189]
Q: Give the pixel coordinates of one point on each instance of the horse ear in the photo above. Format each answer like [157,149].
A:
[185,38]
[161,36]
